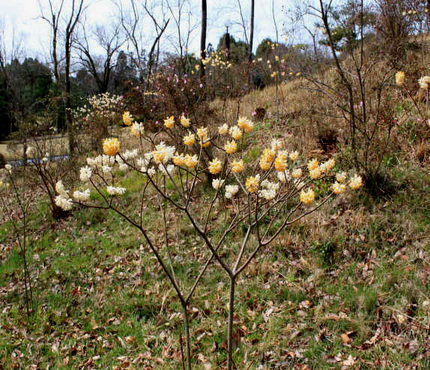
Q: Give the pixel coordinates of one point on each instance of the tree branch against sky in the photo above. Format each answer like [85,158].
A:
[26,17]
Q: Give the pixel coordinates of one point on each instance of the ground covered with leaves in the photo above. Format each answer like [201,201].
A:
[347,287]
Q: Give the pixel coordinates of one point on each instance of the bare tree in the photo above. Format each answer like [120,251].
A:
[182,41]
[243,22]
[100,67]
[132,19]
[64,26]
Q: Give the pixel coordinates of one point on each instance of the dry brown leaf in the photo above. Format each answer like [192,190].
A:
[345,338]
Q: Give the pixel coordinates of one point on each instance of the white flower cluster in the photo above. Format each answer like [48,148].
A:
[276,144]
[102,105]
[85,174]
[424,82]
[217,183]
[130,154]
[100,161]
[63,200]
[82,196]
[222,130]
[231,191]
[122,165]
[143,164]
[269,190]
[112,190]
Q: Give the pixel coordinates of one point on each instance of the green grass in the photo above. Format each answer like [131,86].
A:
[102,300]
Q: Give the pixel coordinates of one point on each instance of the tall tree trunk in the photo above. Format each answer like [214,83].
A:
[428,30]
[251,31]
[227,44]
[203,37]
[54,50]
[251,41]
[67,98]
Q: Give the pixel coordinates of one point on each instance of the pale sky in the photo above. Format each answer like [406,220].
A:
[21,21]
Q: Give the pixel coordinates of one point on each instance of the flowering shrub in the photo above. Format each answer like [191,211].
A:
[96,116]
[263,196]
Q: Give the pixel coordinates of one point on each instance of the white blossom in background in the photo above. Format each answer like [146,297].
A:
[82,195]
[143,163]
[167,170]
[30,151]
[217,183]
[222,130]
[130,154]
[276,144]
[112,190]
[269,190]
[107,169]
[85,174]
[341,176]
[231,191]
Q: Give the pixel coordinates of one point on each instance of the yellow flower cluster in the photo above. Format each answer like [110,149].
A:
[338,188]
[252,183]
[424,82]
[202,133]
[237,166]
[163,153]
[294,156]
[316,173]
[400,78]
[189,140]
[127,119]
[267,158]
[245,124]
[313,164]
[185,122]
[281,161]
[355,182]
[230,147]
[307,197]
[297,173]
[178,159]
[235,132]
[273,155]
[111,146]
[137,129]
[328,165]
[169,122]
[215,166]
[341,176]
[191,161]
[214,60]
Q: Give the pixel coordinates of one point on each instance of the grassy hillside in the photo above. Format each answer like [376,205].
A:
[348,286]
